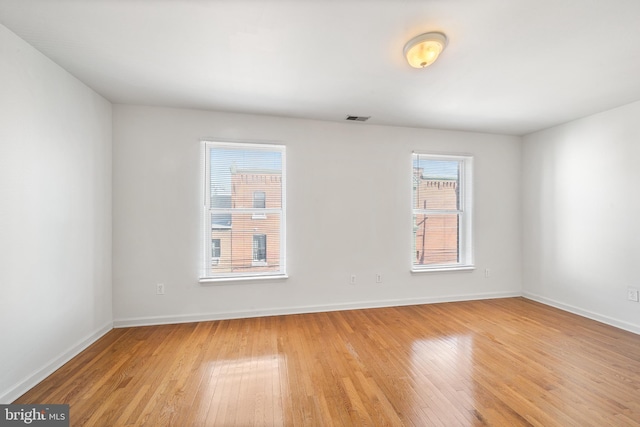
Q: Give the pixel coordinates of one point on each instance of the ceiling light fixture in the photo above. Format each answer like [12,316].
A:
[423,50]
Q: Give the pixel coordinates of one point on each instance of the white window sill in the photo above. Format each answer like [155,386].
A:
[223,279]
[443,268]
[258,263]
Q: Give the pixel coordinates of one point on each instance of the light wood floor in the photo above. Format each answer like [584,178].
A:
[506,362]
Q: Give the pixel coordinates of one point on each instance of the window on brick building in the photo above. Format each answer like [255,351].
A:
[441,205]
[215,251]
[259,248]
[244,182]
[215,248]
[259,199]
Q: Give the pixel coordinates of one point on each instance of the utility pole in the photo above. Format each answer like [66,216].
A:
[424,231]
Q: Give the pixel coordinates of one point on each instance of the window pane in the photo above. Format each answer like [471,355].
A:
[248,245]
[436,239]
[236,174]
[436,184]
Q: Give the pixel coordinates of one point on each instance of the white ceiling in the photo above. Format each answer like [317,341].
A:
[511,66]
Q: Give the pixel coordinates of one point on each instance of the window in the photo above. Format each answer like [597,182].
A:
[215,251]
[259,249]
[259,199]
[239,179]
[441,205]
[259,202]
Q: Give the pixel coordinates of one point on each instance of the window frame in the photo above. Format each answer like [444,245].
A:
[206,276]
[464,212]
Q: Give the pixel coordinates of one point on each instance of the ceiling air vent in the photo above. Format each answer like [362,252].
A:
[358,118]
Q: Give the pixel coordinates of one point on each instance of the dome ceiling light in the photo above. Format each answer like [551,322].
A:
[423,50]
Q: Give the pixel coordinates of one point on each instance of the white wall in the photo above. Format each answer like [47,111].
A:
[348,212]
[55,216]
[580,216]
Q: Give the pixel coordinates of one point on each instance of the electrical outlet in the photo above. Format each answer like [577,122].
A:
[378,278]
[352,279]
[160,289]
[632,294]
[487,273]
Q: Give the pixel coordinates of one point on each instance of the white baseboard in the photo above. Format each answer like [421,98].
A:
[22,387]
[621,324]
[205,317]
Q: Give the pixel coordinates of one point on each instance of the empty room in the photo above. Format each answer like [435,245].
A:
[319,213]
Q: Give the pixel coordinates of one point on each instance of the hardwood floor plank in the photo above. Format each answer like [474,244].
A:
[480,363]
